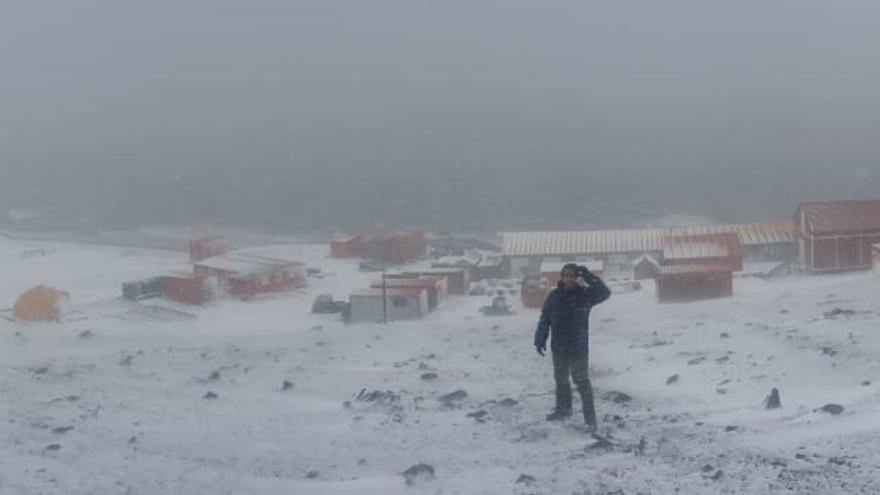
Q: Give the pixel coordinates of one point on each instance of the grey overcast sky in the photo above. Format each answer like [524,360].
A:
[471,114]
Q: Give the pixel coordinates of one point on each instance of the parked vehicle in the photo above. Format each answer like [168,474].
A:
[325,304]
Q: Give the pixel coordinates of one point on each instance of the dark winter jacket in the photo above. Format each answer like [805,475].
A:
[566,314]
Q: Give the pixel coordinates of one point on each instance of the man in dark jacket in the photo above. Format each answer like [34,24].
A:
[566,315]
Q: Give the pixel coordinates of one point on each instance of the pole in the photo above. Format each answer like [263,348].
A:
[384,297]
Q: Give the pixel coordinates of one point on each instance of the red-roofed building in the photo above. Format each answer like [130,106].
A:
[721,249]
[837,235]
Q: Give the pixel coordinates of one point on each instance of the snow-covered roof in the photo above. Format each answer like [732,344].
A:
[643,258]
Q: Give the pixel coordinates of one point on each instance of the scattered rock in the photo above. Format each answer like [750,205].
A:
[133,440]
[866,383]
[453,397]
[287,385]
[725,335]
[800,456]
[508,402]
[54,446]
[526,479]
[722,359]
[773,401]
[479,415]
[708,468]
[61,430]
[717,476]
[423,366]
[214,376]
[317,328]
[86,334]
[210,396]
[834,313]
[126,361]
[42,370]
[696,360]
[828,351]
[730,428]
[312,474]
[618,397]
[833,409]
[672,379]
[837,460]
[418,473]
[721,391]
[429,376]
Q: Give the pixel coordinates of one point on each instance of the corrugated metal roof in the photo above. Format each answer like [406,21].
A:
[842,217]
[635,240]
[725,245]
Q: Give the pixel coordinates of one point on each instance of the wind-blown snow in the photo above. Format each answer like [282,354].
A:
[115,399]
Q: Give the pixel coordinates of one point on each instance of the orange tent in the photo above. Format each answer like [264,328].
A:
[40,304]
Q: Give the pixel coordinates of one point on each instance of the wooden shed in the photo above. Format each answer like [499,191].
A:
[372,305]
[645,267]
[837,235]
[682,283]
[436,287]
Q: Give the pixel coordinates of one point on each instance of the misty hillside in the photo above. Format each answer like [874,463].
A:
[486,115]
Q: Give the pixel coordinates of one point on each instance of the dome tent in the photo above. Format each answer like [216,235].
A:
[40,304]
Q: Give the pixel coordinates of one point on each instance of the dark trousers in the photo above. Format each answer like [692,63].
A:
[566,365]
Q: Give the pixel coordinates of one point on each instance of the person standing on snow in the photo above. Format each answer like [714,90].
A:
[566,315]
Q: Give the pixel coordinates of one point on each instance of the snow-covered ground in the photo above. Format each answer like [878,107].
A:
[122,399]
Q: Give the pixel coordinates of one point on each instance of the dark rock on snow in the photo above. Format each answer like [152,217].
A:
[833,409]
[618,397]
[417,473]
[526,479]
[672,379]
[453,397]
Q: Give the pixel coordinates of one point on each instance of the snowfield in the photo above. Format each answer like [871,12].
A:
[264,397]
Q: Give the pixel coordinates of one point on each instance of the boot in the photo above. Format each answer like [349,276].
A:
[589,408]
[559,414]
